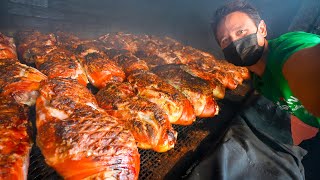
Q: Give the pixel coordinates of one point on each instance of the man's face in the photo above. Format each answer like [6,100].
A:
[237,25]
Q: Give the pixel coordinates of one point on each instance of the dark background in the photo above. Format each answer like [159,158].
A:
[185,20]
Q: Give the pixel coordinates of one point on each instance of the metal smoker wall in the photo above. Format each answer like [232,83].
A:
[185,20]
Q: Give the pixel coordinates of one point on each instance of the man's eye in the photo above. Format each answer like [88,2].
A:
[224,42]
[240,32]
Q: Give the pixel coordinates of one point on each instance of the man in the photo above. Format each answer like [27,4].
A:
[257,143]
[285,69]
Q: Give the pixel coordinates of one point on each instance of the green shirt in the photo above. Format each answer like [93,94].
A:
[273,85]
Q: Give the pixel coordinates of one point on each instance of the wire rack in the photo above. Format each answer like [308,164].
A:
[191,145]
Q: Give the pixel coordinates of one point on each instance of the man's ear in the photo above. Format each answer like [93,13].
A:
[262,28]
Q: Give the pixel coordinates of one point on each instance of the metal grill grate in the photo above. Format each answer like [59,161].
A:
[153,165]
[158,165]
[38,169]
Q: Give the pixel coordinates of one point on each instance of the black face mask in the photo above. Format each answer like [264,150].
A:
[245,51]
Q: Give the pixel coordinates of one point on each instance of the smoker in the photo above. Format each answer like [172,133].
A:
[186,21]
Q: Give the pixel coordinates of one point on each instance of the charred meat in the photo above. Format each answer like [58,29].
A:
[20,81]
[197,90]
[15,142]
[148,123]
[79,139]
[173,102]
[7,48]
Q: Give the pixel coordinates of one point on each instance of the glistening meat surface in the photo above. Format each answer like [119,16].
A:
[148,123]
[79,139]
[20,81]
[197,90]
[7,47]
[15,143]
[155,89]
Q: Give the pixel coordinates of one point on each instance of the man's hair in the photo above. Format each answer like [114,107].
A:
[233,6]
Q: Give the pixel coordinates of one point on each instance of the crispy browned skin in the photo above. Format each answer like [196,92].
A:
[61,63]
[79,139]
[87,47]
[126,60]
[174,103]
[227,74]
[197,90]
[50,54]
[149,125]
[158,51]
[14,141]
[189,55]
[100,70]
[151,49]
[7,47]
[31,42]
[121,40]
[67,40]
[218,89]
[20,81]
[98,66]
[242,72]
[39,55]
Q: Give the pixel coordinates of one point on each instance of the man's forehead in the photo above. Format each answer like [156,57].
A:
[232,21]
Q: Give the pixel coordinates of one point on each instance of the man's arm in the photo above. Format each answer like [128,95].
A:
[302,71]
